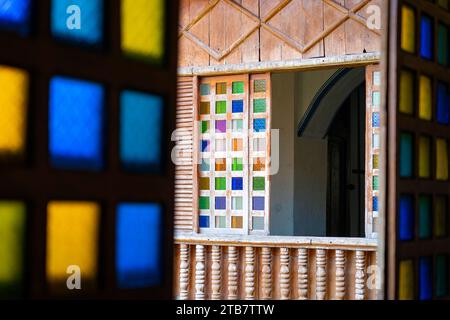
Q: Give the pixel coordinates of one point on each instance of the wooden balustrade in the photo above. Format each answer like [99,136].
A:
[260,267]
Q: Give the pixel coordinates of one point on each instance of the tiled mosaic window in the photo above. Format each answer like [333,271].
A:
[373,132]
[233,154]
[85,181]
[423,137]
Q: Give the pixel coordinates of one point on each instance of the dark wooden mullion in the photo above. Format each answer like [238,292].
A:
[409,123]
[423,248]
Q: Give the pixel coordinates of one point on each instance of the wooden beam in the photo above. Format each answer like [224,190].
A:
[355,60]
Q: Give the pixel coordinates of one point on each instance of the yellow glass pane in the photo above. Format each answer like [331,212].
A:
[406,103]
[441,160]
[143,29]
[408,41]
[237,222]
[13,105]
[424,157]
[406,280]
[72,240]
[12,239]
[425,98]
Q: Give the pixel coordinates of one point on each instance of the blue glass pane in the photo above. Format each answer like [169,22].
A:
[426,38]
[221,203]
[238,106]
[406,221]
[406,155]
[205,146]
[443,104]
[78,21]
[141,122]
[238,184]
[375,204]
[76,124]
[258,203]
[376,119]
[138,245]
[204,222]
[426,279]
[15,15]
[259,125]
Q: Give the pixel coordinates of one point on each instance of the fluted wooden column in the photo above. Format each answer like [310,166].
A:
[285,274]
[232,273]
[249,273]
[360,276]
[184,271]
[266,276]
[200,272]
[216,273]
[302,274]
[340,275]
[321,274]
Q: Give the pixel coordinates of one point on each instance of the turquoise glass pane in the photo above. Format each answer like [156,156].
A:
[139,245]
[406,218]
[259,125]
[15,15]
[425,278]
[426,37]
[78,21]
[442,271]
[425,217]
[443,53]
[76,124]
[141,132]
[406,155]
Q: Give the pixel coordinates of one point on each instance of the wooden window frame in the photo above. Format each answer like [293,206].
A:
[248,118]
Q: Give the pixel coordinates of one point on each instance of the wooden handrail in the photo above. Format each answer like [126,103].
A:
[360,244]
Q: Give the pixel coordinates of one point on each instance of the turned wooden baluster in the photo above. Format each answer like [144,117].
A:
[199,272]
[302,274]
[249,273]
[232,273]
[285,274]
[266,276]
[340,275]
[184,271]
[216,277]
[360,277]
[321,274]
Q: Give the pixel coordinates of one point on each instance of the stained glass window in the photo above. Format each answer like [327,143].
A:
[15,15]
[239,132]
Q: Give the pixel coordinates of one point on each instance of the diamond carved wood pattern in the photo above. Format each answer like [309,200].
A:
[239,31]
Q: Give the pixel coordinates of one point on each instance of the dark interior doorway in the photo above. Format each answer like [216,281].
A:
[346,168]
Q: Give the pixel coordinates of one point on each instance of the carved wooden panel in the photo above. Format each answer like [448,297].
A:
[215,32]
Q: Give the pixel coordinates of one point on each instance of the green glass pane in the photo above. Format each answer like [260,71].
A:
[221,107]
[260,86]
[443,45]
[259,105]
[205,89]
[238,87]
[204,203]
[441,276]
[205,126]
[376,183]
[221,184]
[259,184]
[12,241]
[237,164]
[425,217]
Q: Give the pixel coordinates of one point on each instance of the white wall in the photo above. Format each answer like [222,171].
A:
[299,190]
